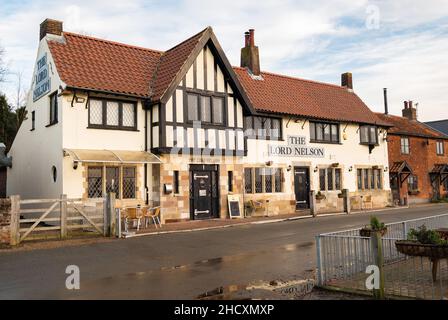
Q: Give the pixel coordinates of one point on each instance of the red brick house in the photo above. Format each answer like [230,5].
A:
[418,158]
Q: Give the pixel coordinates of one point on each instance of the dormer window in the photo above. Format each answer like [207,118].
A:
[112,114]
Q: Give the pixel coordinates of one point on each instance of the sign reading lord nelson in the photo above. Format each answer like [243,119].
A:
[296,147]
[41,79]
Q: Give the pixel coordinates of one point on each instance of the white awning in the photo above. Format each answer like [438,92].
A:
[112,156]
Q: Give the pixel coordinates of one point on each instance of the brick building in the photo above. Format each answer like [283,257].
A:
[418,158]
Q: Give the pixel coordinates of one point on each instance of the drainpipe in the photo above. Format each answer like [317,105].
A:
[146,104]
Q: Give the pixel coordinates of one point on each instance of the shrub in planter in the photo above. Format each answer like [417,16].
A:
[375,226]
[320,196]
[424,243]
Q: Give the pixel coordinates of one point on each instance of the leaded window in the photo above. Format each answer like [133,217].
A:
[129,182]
[113,180]
[263,180]
[95,182]
[111,114]
[330,179]
[248,180]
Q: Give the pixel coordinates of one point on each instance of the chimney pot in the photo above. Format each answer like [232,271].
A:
[409,111]
[347,80]
[50,26]
[386,107]
[250,57]
[247,39]
[252,37]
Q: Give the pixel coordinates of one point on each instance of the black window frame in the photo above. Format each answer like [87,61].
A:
[176,182]
[53,111]
[274,176]
[370,142]
[199,98]
[33,120]
[330,179]
[314,125]
[264,132]
[120,125]
[230,181]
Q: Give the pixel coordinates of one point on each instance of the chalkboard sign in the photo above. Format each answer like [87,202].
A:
[234,207]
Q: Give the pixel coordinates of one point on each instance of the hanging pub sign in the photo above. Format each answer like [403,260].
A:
[41,79]
[296,147]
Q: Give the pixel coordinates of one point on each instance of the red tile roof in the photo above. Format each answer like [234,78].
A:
[404,126]
[293,96]
[90,63]
[171,63]
[95,64]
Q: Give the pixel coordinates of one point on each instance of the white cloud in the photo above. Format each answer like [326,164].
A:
[314,39]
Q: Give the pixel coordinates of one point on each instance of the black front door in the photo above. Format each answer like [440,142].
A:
[204,197]
[302,187]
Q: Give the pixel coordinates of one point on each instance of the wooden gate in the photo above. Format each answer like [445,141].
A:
[58,218]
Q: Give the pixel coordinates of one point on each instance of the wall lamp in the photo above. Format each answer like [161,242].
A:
[350,169]
[386,169]
[289,168]
[75,165]
[316,169]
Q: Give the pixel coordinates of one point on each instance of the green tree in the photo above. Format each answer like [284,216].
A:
[10,121]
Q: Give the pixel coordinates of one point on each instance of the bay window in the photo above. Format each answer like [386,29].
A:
[368,135]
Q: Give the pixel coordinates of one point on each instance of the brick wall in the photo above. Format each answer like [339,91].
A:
[422,158]
[5,218]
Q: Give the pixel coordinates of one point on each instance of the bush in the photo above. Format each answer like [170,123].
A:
[375,224]
[425,236]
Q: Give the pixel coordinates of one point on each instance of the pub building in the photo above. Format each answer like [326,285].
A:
[418,158]
[184,130]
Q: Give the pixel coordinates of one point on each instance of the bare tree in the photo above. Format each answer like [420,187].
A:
[21,91]
[2,65]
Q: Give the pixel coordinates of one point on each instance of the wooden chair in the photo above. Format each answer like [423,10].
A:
[258,205]
[152,213]
[133,214]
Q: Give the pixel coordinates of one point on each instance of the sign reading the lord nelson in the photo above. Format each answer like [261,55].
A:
[296,147]
[41,79]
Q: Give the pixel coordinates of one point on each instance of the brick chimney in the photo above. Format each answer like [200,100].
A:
[250,57]
[50,26]
[347,80]
[409,111]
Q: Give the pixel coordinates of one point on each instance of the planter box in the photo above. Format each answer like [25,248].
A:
[367,233]
[416,249]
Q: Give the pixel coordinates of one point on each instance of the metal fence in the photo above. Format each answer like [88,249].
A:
[344,256]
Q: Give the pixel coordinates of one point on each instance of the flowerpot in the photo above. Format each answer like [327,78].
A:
[321,197]
[367,232]
[417,249]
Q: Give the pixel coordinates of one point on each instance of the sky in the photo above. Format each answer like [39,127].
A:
[401,45]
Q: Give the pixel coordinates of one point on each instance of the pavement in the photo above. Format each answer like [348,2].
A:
[180,265]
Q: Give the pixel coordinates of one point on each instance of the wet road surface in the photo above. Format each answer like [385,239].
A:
[182,265]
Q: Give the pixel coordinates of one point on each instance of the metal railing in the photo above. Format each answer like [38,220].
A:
[342,259]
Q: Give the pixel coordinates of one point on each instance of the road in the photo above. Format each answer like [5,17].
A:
[182,265]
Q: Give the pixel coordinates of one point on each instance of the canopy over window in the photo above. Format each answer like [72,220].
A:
[401,171]
[115,156]
[440,171]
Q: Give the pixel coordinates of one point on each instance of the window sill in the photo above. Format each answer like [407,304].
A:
[325,142]
[369,144]
[51,124]
[266,139]
[113,128]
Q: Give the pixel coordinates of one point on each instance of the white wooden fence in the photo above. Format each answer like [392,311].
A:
[61,218]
